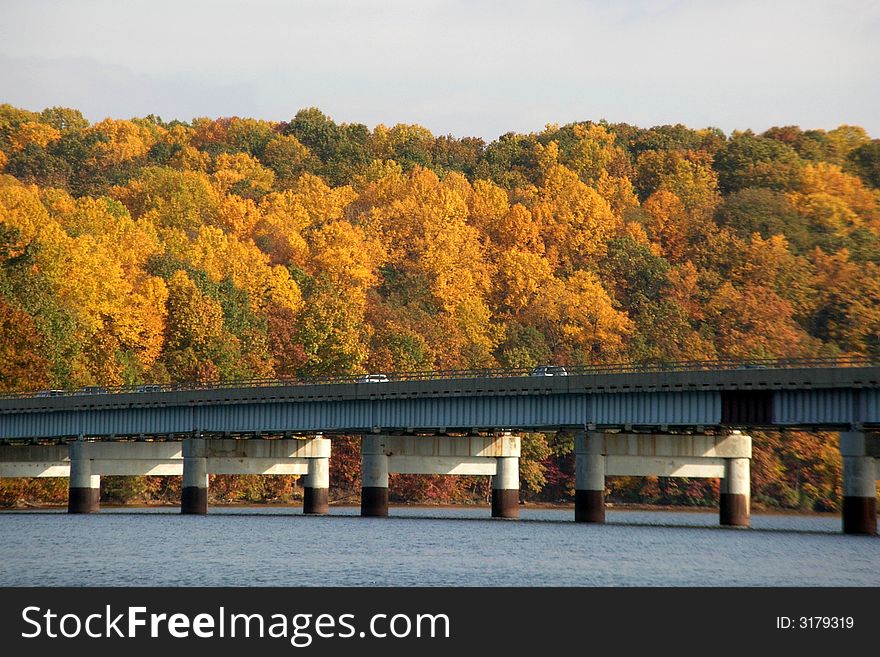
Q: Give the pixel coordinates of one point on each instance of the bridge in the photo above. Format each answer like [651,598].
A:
[688,419]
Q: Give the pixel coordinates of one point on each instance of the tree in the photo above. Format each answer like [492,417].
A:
[288,158]
[580,321]
[172,199]
[767,212]
[408,145]
[64,119]
[243,175]
[576,222]
[23,365]
[332,333]
[865,162]
[118,142]
[848,310]
[519,279]
[194,332]
[33,133]
[749,161]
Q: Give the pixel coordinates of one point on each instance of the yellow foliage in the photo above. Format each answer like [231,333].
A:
[824,178]
[189,158]
[410,210]
[279,230]
[224,256]
[667,223]
[230,169]
[580,319]
[152,314]
[519,278]
[386,140]
[548,156]
[851,292]
[576,221]
[826,212]
[238,215]
[196,319]
[33,132]
[20,211]
[593,151]
[618,192]
[321,202]
[171,199]
[109,223]
[343,253]
[487,204]
[120,141]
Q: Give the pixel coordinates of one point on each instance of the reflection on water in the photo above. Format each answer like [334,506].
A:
[427,546]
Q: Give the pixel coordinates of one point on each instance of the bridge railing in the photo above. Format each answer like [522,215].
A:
[491,373]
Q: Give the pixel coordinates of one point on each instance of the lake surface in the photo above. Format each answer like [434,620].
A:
[427,546]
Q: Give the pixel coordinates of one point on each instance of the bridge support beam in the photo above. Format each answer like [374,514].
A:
[505,487]
[194,489]
[735,501]
[485,454]
[84,493]
[316,488]
[374,477]
[724,456]
[859,482]
[589,493]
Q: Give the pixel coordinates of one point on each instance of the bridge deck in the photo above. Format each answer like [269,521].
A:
[813,394]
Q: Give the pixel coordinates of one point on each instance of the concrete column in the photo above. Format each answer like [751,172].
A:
[859,485]
[84,494]
[735,499]
[194,491]
[316,487]
[374,477]
[505,487]
[589,487]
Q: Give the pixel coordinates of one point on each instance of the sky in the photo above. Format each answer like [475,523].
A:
[468,68]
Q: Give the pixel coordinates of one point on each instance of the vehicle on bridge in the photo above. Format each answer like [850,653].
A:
[549,370]
[373,378]
[92,390]
[51,393]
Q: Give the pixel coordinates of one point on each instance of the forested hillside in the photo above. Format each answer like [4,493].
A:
[136,251]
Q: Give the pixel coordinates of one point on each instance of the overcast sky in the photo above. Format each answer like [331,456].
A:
[475,67]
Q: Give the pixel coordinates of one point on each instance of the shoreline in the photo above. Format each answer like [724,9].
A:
[619,506]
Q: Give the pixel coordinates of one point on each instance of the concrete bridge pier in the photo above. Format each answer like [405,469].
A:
[735,500]
[589,493]
[725,456]
[316,487]
[84,494]
[194,489]
[374,477]
[505,487]
[859,482]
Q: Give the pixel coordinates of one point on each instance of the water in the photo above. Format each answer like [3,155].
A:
[427,546]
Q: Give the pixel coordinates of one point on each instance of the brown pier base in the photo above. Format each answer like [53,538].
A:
[316,501]
[859,515]
[505,503]
[374,502]
[734,510]
[589,506]
[194,500]
[83,500]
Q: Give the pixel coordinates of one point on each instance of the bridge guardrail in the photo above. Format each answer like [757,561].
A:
[429,375]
